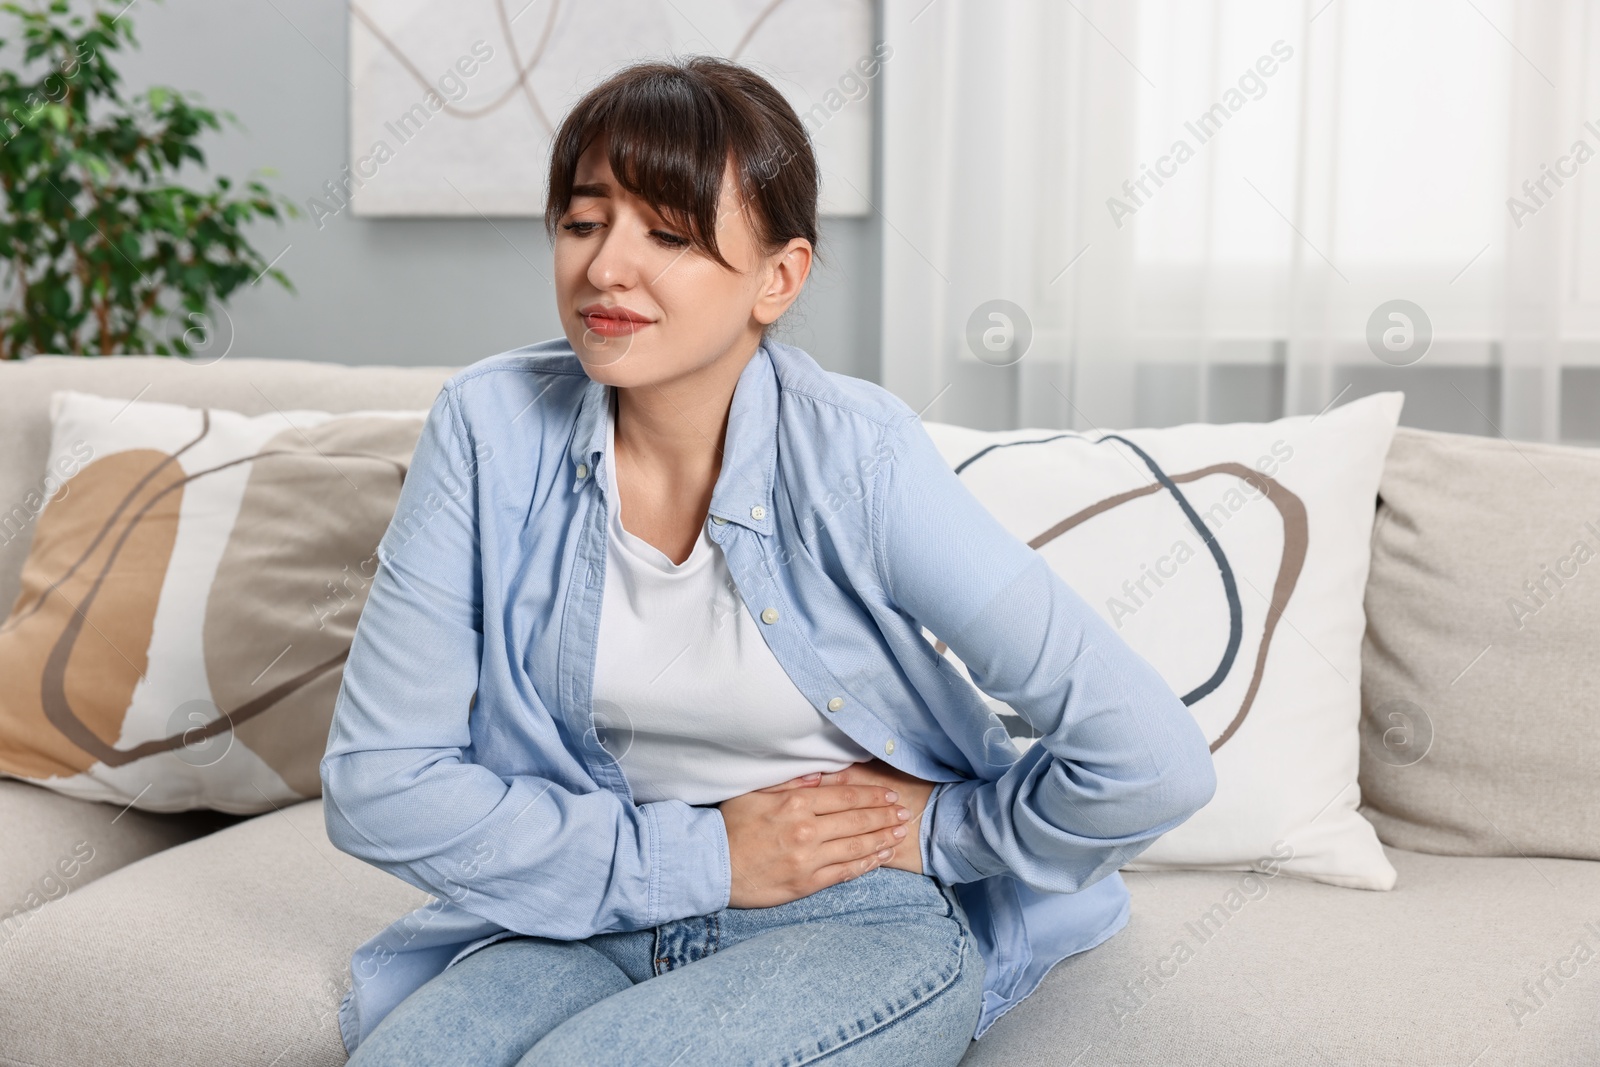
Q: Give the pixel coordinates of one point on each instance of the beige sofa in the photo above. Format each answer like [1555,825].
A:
[204,939]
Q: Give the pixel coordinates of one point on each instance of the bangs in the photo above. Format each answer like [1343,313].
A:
[670,131]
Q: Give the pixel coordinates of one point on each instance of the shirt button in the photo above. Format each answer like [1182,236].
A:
[719,520]
[758,512]
[836,703]
[583,471]
[888,746]
[770,615]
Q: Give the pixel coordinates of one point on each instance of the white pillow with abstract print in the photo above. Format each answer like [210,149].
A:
[1233,558]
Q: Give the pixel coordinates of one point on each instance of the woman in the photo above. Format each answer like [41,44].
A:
[642,696]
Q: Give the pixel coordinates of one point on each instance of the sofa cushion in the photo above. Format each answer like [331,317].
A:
[251,386]
[190,597]
[1236,970]
[52,845]
[232,949]
[1480,673]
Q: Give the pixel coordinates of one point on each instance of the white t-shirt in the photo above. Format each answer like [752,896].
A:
[687,695]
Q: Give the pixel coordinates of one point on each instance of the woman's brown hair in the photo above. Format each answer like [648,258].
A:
[670,128]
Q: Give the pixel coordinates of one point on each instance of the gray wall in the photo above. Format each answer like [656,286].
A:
[402,291]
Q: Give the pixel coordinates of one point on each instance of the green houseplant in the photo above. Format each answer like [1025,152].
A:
[104,250]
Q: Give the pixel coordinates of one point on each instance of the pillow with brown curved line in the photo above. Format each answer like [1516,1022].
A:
[190,597]
[1233,558]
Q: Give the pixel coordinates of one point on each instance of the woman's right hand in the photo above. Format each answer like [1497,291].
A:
[786,843]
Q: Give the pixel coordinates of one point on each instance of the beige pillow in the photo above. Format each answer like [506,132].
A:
[189,599]
[1480,669]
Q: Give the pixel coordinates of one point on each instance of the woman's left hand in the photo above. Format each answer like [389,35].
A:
[914,793]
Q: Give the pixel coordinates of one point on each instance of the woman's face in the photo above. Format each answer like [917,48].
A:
[639,305]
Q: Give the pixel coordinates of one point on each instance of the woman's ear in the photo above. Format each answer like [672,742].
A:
[787,271]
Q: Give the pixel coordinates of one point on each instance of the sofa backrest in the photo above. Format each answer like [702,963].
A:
[251,386]
[1474,538]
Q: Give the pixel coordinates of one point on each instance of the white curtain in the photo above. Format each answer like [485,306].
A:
[1199,208]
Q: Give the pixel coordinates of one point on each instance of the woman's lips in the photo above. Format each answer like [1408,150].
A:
[609,326]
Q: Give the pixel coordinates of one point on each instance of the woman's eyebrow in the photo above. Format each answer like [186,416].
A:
[592,189]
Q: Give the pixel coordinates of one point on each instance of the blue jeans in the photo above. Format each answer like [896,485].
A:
[880,969]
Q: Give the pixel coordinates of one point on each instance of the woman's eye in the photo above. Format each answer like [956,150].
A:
[582,228]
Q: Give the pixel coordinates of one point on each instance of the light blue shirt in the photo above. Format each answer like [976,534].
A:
[463,756]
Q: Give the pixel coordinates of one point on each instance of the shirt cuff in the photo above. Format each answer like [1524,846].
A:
[954,851]
[925,829]
[691,870]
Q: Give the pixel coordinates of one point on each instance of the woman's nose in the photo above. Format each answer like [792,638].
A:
[616,262]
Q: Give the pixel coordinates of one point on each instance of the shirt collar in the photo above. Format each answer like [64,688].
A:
[743,493]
